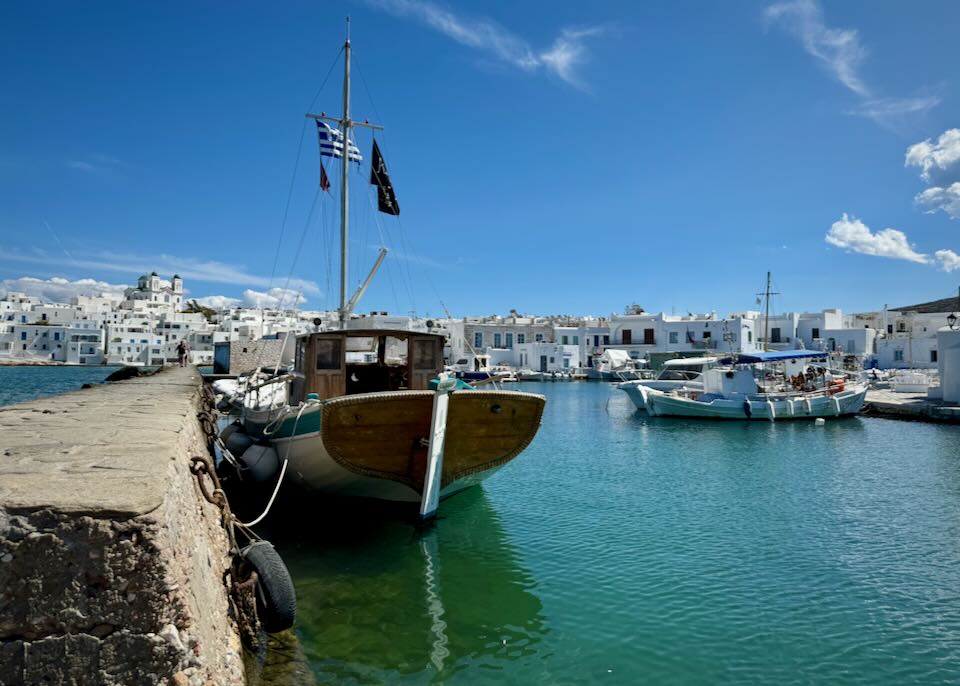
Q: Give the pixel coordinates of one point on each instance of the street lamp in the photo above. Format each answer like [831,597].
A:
[952,320]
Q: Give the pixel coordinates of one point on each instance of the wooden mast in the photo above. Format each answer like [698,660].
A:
[345,124]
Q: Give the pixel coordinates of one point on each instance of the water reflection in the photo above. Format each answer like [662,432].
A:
[380,601]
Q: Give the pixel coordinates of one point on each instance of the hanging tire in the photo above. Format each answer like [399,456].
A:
[276,597]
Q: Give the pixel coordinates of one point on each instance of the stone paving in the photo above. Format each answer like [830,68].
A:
[111,565]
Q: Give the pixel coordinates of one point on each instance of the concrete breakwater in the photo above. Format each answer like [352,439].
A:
[112,566]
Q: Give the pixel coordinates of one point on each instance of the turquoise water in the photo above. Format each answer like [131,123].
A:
[18,384]
[622,549]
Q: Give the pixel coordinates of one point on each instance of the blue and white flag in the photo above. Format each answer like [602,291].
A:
[331,143]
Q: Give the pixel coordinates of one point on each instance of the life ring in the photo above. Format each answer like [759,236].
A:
[274,591]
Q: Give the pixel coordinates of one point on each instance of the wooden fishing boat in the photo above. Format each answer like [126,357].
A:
[369,412]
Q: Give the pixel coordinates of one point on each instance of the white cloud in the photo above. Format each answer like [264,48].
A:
[937,198]
[934,158]
[948,260]
[61,290]
[842,54]
[210,271]
[852,234]
[275,298]
[218,302]
[838,49]
[560,59]
[891,111]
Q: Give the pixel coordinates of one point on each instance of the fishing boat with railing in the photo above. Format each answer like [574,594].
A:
[769,386]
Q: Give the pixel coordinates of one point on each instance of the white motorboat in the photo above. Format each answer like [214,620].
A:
[765,386]
[684,372]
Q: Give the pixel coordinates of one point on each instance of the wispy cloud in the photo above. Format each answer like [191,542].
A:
[842,53]
[209,271]
[852,234]
[96,164]
[561,59]
[838,49]
[892,111]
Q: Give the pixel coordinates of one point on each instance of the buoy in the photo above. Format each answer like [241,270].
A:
[229,430]
[261,461]
[275,594]
[819,421]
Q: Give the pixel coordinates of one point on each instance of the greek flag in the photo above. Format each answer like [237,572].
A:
[331,143]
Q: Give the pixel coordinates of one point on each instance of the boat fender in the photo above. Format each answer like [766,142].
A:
[771,412]
[275,595]
[238,442]
[747,409]
[836,405]
[261,461]
[229,430]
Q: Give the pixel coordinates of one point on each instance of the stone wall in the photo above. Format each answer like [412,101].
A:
[112,566]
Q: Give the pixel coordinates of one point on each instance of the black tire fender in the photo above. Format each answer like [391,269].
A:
[275,594]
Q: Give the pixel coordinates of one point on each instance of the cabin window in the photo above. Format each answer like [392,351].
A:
[674,337]
[328,353]
[478,339]
[424,356]
[648,336]
[627,336]
[363,350]
[396,351]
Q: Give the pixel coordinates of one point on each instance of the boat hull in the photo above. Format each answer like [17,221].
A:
[637,390]
[756,408]
[375,445]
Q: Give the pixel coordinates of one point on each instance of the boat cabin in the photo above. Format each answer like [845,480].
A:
[686,368]
[336,363]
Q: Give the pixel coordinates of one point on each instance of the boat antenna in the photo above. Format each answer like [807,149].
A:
[345,124]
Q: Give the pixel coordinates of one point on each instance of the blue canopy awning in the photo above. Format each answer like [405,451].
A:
[773,356]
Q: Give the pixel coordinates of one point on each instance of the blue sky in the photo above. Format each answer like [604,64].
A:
[549,157]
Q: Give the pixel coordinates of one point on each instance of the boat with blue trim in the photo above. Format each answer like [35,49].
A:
[768,386]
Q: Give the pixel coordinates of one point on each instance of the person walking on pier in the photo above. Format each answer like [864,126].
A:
[182,350]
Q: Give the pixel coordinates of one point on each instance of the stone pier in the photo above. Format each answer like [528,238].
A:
[112,565]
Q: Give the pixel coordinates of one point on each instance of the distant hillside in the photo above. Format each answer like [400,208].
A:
[943,305]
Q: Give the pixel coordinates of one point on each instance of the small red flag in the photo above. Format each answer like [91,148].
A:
[324,181]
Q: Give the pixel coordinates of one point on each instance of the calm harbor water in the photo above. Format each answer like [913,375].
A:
[18,384]
[623,549]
